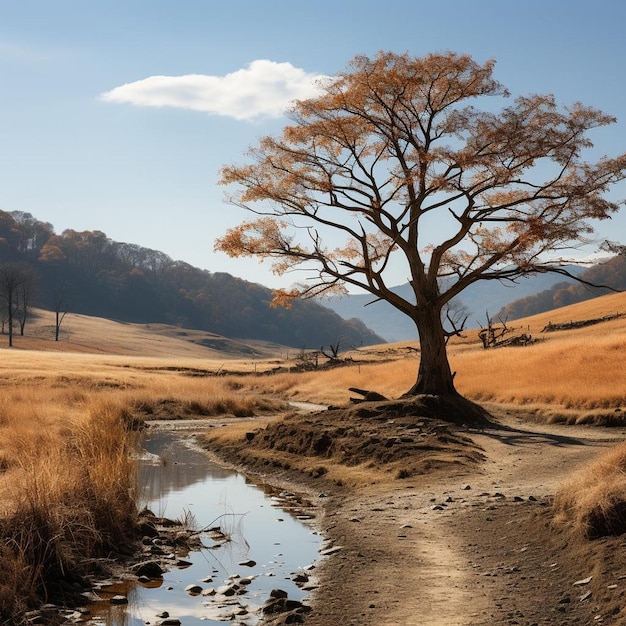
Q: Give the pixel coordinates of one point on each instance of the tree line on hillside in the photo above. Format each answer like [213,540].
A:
[600,280]
[88,273]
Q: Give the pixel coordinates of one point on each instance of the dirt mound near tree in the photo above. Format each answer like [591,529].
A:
[401,438]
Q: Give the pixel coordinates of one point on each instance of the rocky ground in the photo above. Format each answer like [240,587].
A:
[440,524]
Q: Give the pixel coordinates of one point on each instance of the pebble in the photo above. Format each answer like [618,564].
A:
[119,599]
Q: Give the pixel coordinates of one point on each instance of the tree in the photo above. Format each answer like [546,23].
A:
[394,163]
[59,298]
[24,295]
[13,277]
[32,234]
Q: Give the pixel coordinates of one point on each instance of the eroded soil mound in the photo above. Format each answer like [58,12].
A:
[402,438]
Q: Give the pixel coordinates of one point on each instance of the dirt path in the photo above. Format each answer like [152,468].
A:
[467,549]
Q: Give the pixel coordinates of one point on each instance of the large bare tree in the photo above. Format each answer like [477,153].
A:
[411,163]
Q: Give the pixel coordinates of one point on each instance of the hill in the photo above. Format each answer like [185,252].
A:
[88,273]
[94,335]
[481,297]
[610,272]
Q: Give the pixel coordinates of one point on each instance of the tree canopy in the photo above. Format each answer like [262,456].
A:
[417,160]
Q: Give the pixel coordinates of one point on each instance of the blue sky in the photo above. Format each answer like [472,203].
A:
[84,145]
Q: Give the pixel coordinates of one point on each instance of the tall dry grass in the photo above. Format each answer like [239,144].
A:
[572,369]
[577,371]
[568,375]
[592,503]
[69,495]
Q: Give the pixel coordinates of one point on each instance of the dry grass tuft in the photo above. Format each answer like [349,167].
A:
[593,503]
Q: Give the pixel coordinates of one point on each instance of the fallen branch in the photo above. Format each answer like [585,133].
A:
[550,327]
[368,396]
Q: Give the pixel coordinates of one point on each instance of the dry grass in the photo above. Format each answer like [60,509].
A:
[67,482]
[593,503]
[94,335]
[579,369]
[68,490]
[574,375]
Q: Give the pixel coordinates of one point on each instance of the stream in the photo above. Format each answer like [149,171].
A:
[269,542]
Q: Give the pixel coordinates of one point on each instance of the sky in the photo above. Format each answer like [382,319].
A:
[117,115]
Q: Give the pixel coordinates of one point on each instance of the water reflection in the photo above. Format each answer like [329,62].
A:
[267,544]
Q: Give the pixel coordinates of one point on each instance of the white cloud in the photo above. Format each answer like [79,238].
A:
[262,89]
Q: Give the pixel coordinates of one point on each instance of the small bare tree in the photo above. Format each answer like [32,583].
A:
[332,353]
[59,300]
[13,277]
[24,296]
[498,335]
[455,313]
[491,334]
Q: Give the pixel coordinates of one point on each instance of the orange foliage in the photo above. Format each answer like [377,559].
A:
[364,159]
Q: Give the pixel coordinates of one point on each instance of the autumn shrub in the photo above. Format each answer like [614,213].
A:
[592,503]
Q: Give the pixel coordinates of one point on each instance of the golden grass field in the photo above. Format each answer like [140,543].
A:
[64,405]
[567,372]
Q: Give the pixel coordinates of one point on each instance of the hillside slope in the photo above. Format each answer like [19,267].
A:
[610,272]
[88,273]
[94,335]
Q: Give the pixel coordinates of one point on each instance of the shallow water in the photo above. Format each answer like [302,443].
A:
[264,527]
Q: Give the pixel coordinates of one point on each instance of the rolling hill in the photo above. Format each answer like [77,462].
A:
[95,335]
[89,274]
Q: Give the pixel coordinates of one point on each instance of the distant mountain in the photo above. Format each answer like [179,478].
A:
[86,272]
[610,272]
[481,297]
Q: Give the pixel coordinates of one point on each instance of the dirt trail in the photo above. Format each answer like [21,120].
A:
[468,549]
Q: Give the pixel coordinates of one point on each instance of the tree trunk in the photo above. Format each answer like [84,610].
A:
[434,392]
[10,320]
[434,376]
